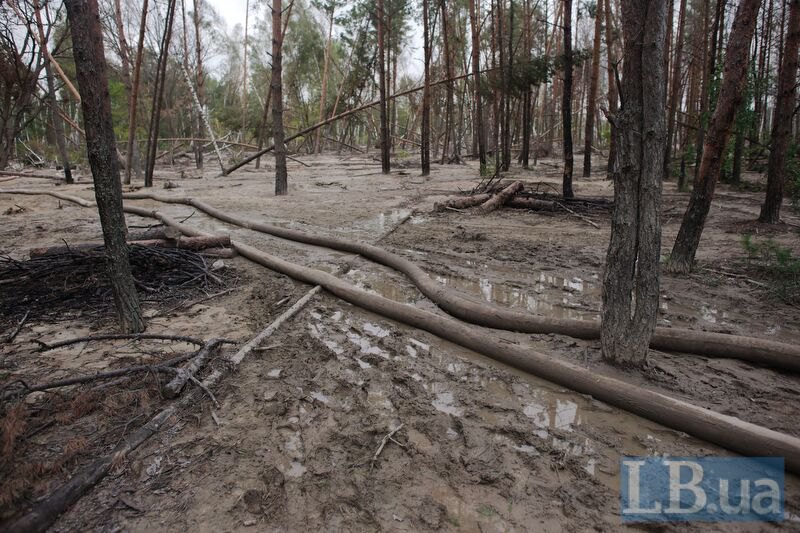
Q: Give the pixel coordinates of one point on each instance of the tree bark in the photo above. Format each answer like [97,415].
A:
[90,66]
[479,119]
[731,95]
[675,91]
[386,164]
[612,88]
[566,102]
[281,174]
[592,98]
[782,120]
[425,149]
[630,281]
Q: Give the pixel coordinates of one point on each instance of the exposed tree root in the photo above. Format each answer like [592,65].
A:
[726,431]
[751,349]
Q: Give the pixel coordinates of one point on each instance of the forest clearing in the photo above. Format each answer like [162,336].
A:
[228,302]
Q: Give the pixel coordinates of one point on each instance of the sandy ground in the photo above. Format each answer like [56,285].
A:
[483,447]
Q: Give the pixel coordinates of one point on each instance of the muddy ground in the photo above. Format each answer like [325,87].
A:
[292,445]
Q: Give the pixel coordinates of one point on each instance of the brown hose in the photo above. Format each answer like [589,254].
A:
[760,351]
[723,430]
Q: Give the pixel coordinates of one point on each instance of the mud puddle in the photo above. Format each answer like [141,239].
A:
[525,415]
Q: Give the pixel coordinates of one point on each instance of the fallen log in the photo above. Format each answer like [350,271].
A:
[522,202]
[501,198]
[183,243]
[724,430]
[759,351]
[462,202]
[174,387]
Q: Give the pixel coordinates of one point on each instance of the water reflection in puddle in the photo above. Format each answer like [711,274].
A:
[550,295]
[384,221]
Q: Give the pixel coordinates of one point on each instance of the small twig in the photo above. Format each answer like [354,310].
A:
[205,389]
[11,336]
[454,209]
[565,208]
[385,440]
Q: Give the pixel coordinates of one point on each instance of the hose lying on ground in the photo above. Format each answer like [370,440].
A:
[760,351]
[726,431]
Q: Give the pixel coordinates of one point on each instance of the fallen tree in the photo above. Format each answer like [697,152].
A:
[726,431]
[499,199]
[190,243]
[754,350]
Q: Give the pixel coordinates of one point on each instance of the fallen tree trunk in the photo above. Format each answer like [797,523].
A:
[726,431]
[174,387]
[462,202]
[499,199]
[522,202]
[184,243]
[758,351]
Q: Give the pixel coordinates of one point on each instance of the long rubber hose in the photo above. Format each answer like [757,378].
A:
[759,351]
[726,431]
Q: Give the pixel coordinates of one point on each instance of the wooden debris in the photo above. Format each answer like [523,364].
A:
[462,202]
[174,387]
[183,243]
[501,198]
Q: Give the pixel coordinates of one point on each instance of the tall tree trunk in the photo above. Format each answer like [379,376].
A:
[524,156]
[566,102]
[731,95]
[507,77]
[425,151]
[612,88]
[384,133]
[710,69]
[90,67]
[158,96]
[324,88]
[592,98]
[262,127]
[200,75]
[449,86]
[675,91]
[631,278]
[244,71]
[132,154]
[782,120]
[479,122]
[281,174]
[55,117]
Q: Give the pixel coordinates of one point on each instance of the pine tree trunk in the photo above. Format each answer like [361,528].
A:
[55,117]
[158,96]
[675,92]
[324,88]
[630,281]
[281,174]
[384,130]
[508,74]
[90,67]
[425,151]
[199,75]
[731,95]
[133,159]
[782,120]
[566,102]
[612,88]
[479,121]
[592,98]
